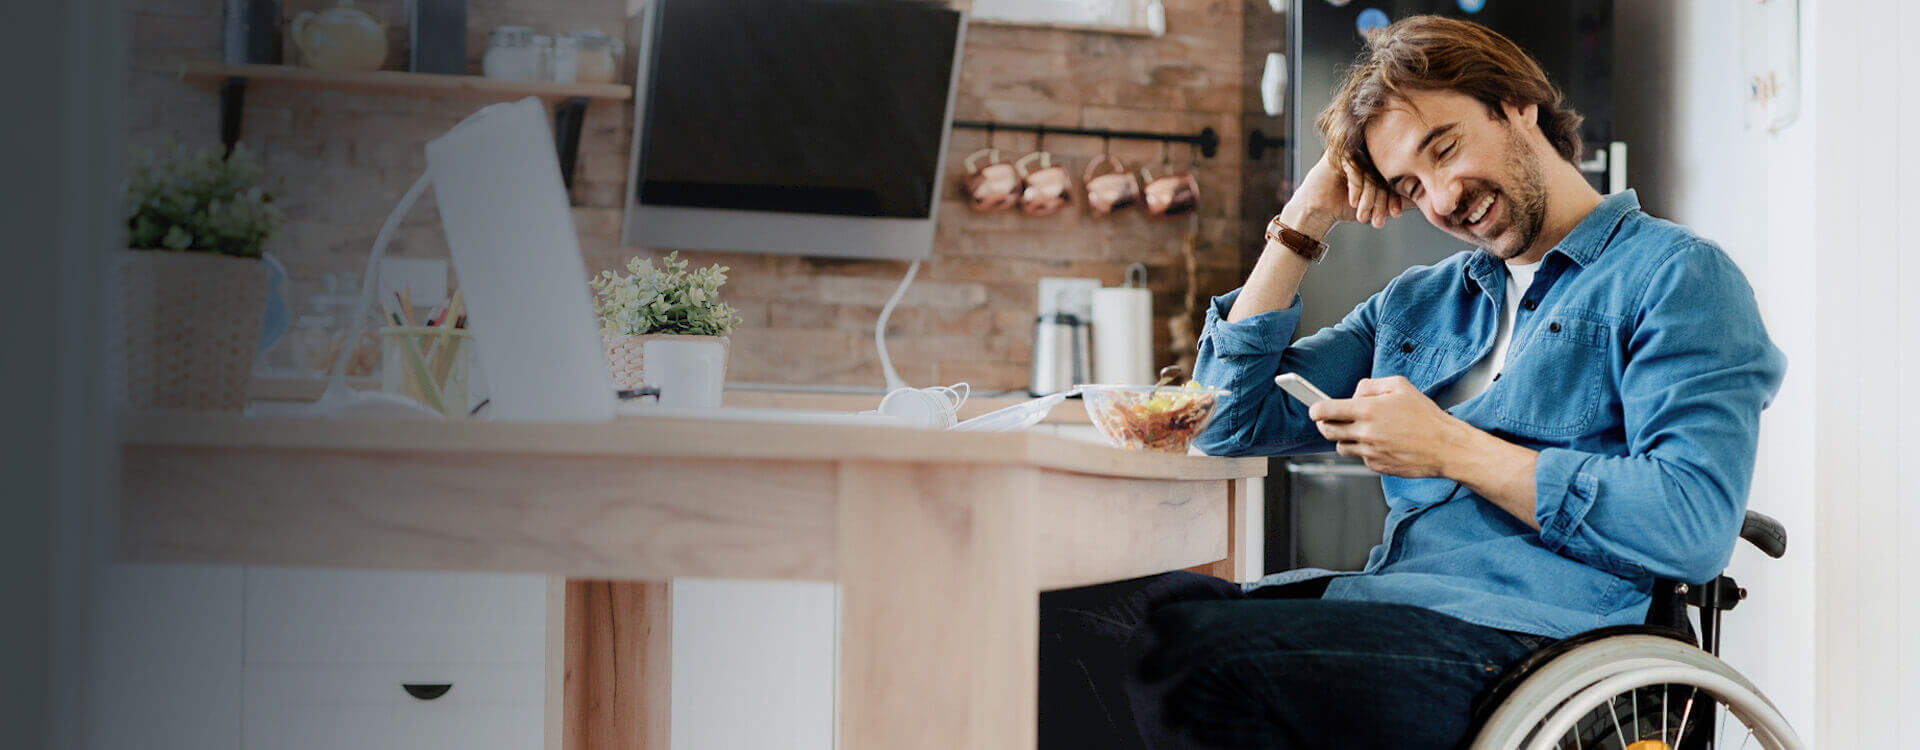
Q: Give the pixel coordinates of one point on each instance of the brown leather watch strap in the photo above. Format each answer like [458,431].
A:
[1296,240]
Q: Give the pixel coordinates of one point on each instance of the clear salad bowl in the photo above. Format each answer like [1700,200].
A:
[1143,417]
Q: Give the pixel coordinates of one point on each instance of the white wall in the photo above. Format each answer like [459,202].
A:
[1815,216]
[1867,433]
[1691,158]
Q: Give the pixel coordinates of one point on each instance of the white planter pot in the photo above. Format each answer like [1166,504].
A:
[626,355]
[688,374]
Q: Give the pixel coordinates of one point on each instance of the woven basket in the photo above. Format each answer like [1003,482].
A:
[624,355]
[188,326]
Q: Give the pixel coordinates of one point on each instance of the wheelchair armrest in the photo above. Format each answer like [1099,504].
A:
[1766,533]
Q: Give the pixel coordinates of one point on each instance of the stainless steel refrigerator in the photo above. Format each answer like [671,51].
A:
[1327,511]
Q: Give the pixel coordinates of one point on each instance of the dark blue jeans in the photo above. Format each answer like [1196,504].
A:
[1187,661]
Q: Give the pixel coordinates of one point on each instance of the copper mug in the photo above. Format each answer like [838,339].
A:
[992,187]
[1170,195]
[1049,188]
[1110,191]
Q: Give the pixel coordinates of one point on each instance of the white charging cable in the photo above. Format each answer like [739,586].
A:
[936,407]
[932,408]
[894,382]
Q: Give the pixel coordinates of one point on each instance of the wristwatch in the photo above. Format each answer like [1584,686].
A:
[1296,240]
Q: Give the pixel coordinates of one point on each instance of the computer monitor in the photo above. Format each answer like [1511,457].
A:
[802,127]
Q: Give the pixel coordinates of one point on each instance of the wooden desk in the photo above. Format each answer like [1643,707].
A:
[939,541]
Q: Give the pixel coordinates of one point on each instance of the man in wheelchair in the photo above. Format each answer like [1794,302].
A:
[1563,416]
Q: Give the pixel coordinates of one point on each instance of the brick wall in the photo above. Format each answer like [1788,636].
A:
[344,159]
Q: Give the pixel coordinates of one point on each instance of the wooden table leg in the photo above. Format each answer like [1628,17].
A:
[618,656]
[1234,566]
[939,633]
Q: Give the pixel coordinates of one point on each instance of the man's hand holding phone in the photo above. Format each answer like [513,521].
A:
[1388,423]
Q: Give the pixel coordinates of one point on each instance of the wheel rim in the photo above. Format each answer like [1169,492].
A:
[1740,700]
[1548,689]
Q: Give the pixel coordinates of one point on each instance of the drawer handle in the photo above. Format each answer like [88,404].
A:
[427,692]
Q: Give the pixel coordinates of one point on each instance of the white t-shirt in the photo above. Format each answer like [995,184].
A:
[1519,277]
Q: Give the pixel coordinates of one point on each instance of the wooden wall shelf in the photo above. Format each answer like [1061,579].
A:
[400,83]
[568,99]
[1141,31]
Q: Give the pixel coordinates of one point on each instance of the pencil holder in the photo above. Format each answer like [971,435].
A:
[428,364]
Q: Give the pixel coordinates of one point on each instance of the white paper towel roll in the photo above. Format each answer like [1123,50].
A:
[1123,336]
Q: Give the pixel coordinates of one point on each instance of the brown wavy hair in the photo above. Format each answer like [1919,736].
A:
[1434,53]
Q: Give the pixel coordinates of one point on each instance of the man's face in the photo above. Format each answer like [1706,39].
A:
[1473,175]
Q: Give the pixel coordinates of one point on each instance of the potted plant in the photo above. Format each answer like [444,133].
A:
[192,289]
[664,303]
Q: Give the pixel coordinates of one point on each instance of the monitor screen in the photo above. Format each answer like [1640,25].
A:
[826,107]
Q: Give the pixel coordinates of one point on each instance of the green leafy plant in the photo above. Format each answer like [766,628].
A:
[667,300]
[198,200]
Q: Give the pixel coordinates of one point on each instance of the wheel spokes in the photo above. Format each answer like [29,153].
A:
[1684,713]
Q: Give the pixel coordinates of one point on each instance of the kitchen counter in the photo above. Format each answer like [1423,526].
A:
[994,517]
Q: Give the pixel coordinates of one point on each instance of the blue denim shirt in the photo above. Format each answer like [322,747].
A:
[1638,372]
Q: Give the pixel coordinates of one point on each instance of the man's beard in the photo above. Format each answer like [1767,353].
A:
[1525,197]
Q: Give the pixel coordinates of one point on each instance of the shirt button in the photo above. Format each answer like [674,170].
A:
[1529,304]
[1406,348]
[1553,327]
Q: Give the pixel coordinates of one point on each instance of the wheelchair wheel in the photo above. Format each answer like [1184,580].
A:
[1635,692]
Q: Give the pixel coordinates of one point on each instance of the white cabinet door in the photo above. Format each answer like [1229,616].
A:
[163,668]
[753,664]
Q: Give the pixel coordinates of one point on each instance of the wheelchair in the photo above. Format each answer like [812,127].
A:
[1639,687]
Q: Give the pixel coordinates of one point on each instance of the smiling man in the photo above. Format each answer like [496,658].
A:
[1560,415]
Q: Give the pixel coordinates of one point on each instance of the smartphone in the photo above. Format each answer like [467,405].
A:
[1299,388]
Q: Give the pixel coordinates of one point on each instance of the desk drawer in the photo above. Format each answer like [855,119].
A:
[386,617]
[319,707]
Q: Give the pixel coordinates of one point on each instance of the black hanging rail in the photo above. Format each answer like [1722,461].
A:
[1258,143]
[1207,141]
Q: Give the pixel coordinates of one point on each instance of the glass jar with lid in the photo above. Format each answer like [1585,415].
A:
[585,57]
[542,57]
[511,55]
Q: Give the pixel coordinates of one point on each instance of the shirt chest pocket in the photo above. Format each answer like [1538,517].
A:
[1557,385]
[1416,356]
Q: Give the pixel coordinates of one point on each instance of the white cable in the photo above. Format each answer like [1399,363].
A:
[338,394]
[880,330]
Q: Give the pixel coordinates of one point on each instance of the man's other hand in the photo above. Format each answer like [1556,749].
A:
[1392,426]
[1336,189]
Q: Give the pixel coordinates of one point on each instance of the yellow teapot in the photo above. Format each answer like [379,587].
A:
[340,38]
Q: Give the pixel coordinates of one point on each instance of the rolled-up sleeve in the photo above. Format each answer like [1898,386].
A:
[1243,356]
[1699,370]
